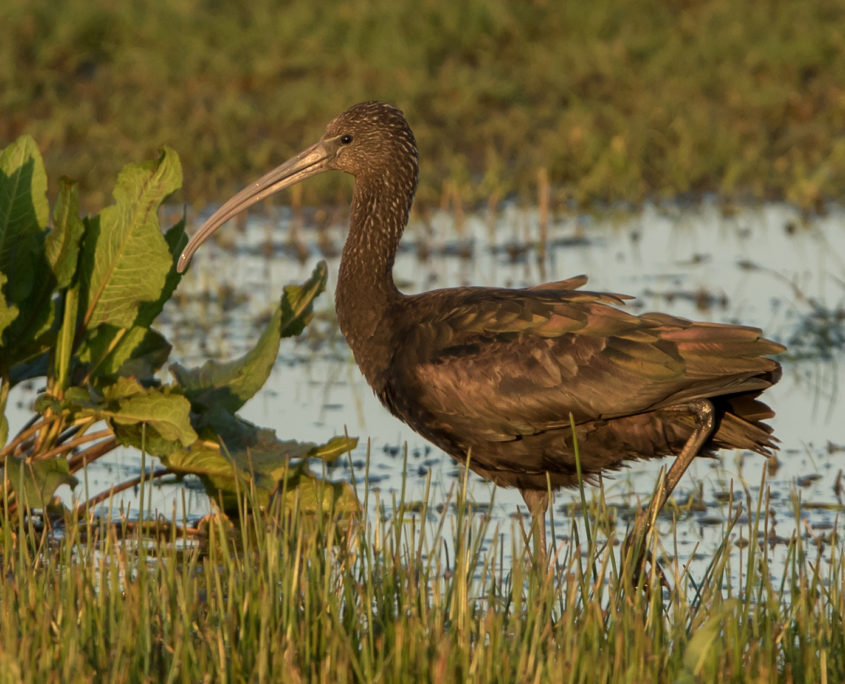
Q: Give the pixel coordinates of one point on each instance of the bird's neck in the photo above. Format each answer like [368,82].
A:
[365,287]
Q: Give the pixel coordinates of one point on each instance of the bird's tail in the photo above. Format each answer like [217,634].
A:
[741,425]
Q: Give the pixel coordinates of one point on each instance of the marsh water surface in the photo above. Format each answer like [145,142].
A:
[765,266]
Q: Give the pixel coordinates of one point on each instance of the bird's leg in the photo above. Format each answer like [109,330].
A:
[537,501]
[705,421]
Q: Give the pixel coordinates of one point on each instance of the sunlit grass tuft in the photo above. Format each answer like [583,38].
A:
[407,594]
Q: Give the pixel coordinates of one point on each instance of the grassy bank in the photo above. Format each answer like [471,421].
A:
[293,598]
[616,100]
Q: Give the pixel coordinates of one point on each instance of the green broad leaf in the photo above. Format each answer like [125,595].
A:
[145,437]
[47,402]
[167,412]
[4,430]
[142,352]
[176,239]
[61,245]
[35,482]
[297,301]
[121,389]
[23,216]
[125,259]
[253,450]
[75,400]
[220,474]
[153,418]
[28,287]
[32,334]
[334,448]
[230,384]
[8,312]
[306,492]
[252,459]
[136,351]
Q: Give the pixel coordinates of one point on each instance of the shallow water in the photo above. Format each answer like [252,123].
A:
[761,266]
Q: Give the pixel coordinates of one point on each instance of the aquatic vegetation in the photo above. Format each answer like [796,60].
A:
[78,302]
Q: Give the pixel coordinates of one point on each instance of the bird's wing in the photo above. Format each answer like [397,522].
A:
[512,362]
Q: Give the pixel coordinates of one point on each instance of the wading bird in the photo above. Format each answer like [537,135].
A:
[496,373]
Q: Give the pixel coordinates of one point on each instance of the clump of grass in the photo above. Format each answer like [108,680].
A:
[402,596]
[617,100]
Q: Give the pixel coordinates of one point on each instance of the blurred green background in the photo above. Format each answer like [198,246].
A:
[616,100]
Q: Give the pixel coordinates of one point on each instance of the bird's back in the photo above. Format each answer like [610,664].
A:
[499,371]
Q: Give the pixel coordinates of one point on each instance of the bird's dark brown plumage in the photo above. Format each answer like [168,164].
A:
[497,372]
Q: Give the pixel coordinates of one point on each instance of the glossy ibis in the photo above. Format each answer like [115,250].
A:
[496,372]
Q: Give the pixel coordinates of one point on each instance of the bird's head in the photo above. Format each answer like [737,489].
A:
[369,140]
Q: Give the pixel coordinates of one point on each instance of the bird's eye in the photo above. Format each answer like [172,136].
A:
[346,139]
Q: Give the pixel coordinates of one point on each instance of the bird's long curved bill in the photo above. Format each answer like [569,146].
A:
[307,163]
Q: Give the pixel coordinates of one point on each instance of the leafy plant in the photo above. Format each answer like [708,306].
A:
[77,303]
